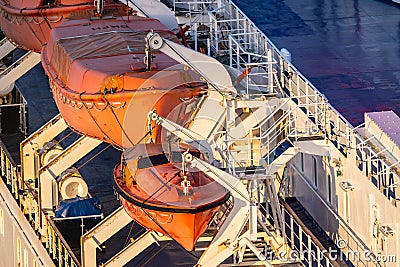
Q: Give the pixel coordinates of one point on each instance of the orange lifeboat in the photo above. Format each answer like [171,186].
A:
[105,81]
[161,195]
[28,23]
[96,70]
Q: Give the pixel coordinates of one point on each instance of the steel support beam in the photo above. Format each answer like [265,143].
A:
[134,249]
[6,47]
[48,173]
[226,241]
[31,146]
[209,68]
[100,233]
[18,68]
[314,147]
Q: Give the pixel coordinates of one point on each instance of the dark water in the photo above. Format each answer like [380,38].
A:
[350,50]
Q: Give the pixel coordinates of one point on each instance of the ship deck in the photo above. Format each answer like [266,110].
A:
[350,50]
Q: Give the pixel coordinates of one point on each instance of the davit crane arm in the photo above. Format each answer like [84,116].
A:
[210,69]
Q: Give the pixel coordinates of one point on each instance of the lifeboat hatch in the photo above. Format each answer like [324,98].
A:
[51,2]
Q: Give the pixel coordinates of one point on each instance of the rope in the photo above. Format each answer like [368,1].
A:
[127,237]
[94,120]
[98,153]
[152,255]
[116,118]
[66,136]
[33,32]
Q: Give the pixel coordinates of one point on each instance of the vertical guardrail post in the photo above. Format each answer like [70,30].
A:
[230,50]
[59,253]
[270,71]
[291,231]
[51,241]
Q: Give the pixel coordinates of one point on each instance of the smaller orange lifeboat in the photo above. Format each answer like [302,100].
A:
[28,23]
[163,195]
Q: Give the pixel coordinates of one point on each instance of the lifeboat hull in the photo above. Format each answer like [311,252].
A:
[184,228]
[29,28]
[104,116]
[24,34]
[162,210]
[106,94]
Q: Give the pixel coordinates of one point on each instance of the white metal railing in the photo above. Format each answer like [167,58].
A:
[219,34]
[259,144]
[52,240]
[304,249]
[380,170]
[354,246]
[241,52]
[254,41]
[308,252]
[338,130]
[199,13]
[257,67]
[192,5]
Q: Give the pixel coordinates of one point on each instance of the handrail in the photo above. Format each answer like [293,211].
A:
[337,127]
[290,223]
[267,140]
[291,67]
[55,243]
[66,246]
[334,213]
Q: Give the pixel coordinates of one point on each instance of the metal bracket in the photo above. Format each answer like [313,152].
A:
[100,233]
[18,68]
[30,146]
[134,249]
[209,68]
[48,190]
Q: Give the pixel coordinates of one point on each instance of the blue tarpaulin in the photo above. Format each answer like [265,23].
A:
[76,207]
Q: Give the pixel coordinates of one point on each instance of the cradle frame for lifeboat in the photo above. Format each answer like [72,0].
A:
[92,240]
[229,234]
[19,67]
[243,212]
[32,168]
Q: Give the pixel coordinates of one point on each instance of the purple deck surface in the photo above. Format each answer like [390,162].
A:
[349,50]
[389,122]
